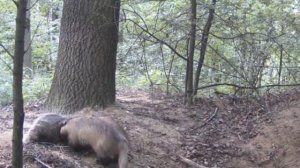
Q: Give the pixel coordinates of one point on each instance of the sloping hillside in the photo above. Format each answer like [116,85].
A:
[216,132]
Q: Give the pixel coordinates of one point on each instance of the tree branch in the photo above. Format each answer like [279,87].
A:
[33,5]
[7,65]
[247,87]
[229,63]
[151,34]
[6,50]
[190,162]
[159,40]
[15,2]
[42,163]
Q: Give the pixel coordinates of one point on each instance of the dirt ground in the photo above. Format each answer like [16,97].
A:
[221,132]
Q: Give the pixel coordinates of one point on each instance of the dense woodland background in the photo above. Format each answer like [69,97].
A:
[251,44]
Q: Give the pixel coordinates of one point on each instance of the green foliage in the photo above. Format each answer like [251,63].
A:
[7,6]
[245,35]
[5,88]
[37,88]
[44,33]
[33,89]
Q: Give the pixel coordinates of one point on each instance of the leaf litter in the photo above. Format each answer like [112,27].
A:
[225,131]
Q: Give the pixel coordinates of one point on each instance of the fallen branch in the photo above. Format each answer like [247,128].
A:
[209,119]
[206,121]
[190,162]
[42,163]
[247,87]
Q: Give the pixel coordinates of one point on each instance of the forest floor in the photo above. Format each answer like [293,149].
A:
[221,132]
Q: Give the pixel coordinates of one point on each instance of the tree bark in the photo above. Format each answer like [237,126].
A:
[17,146]
[280,65]
[27,40]
[189,72]
[204,40]
[86,64]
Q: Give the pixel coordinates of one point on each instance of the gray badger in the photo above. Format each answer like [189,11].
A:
[46,128]
[104,136]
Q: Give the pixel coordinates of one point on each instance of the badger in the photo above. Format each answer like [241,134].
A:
[46,128]
[104,136]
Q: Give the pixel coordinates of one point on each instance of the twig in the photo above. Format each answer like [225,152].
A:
[41,162]
[7,65]
[209,119]
[190,162]
[146,30]
[247,87]
[6,50]
[33,5]
[33,36]
[15,2]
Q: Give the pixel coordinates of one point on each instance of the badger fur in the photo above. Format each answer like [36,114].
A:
[106,138]
[46,128]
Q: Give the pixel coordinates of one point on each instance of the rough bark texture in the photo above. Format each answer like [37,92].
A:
[17,146]
[189,75]
[204,40]
[86,63]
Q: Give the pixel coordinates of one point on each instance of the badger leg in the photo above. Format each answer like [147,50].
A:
[102,157]
[106,161]
[123,155]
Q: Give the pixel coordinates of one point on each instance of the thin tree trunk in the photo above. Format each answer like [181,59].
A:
[17,146]
[280,65]
[189,75]
[86,63]
[51,25]
[167,72]
[204,40]
[27,40]
[186,71]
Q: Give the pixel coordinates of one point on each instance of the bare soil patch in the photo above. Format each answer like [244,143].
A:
[216,132]
[278,143]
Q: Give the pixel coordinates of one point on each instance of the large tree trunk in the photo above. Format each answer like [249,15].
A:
[17,146]
[85,69]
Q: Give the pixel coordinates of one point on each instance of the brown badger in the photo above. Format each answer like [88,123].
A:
[46,128]
[107,139]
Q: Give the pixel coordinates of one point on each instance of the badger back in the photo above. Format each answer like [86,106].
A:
[92,128]
[46,128]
